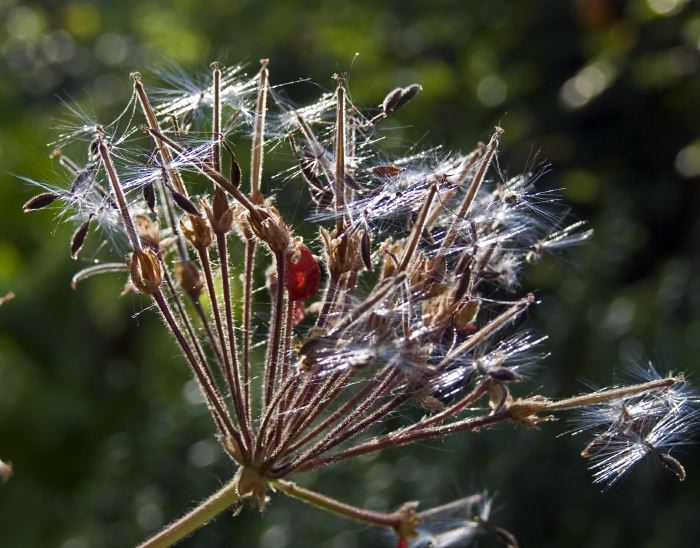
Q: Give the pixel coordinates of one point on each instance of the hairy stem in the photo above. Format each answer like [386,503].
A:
[217,503]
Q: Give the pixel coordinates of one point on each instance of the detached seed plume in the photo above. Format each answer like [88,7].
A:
[409,298]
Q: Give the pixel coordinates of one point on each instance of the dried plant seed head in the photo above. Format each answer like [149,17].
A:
[146,271]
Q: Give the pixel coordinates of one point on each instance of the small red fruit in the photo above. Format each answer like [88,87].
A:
[302,276]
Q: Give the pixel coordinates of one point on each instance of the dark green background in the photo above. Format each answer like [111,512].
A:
[93,405]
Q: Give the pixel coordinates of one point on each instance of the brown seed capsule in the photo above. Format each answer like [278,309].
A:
[351,182]
[391,99]
[673,465]
[82,177]
[597,444]
[504,374]
[149,195]
[324,201]
[235,173]
[386,172]
[40,201]
[79,238]
[506,537]
[185,203]
[407,94]
[398,97]
[306,167]
[365,250]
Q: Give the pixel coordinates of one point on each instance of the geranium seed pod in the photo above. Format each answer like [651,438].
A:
[149,195]
[235,173]
[365,250]
[185,203]
[40,201]
[79,238]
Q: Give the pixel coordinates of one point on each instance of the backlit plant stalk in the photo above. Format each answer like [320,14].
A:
[421,259]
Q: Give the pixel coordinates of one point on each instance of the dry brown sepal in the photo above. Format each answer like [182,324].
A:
[526,411]
[251,483]
[270,228]
[146,271]
[465,315]
[148,232]
[343,252]
[427,277]
[197,231]
[392,251]
[408,521]
[233,449]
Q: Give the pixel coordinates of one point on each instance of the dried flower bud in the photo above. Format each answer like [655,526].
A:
[188,278]
[197,231]
[146,271]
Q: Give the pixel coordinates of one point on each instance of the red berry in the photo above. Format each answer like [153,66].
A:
[302,274]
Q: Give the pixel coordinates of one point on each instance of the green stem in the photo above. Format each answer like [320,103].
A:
[324,502]
[223,499]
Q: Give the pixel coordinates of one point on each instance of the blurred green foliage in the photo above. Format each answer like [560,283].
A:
[97,412]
